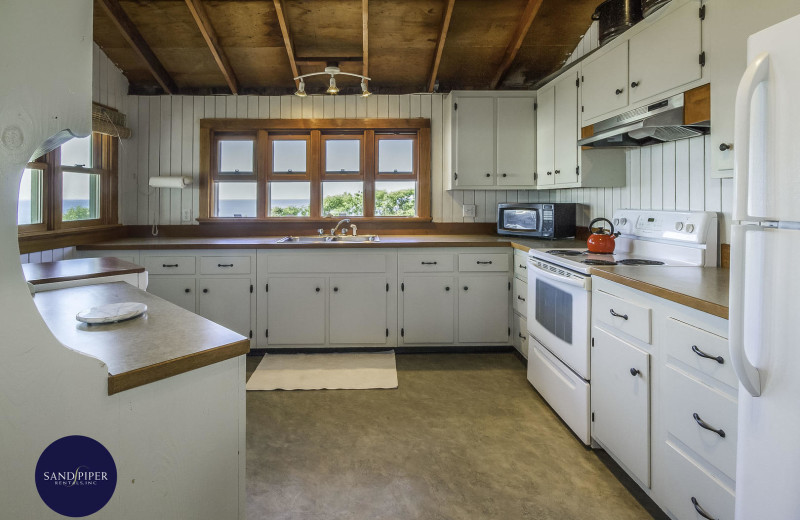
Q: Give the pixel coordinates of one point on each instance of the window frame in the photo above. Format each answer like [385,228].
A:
[317,132]
[46,182]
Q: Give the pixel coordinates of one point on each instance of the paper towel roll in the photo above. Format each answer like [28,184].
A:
[170,182]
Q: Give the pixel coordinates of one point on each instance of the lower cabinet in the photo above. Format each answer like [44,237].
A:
[358,310]
[428,310]
[180,291]
[483,309]
[621,401]
[225,301]
[296,311]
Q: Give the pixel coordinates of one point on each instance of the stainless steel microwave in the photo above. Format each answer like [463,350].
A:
[537,219]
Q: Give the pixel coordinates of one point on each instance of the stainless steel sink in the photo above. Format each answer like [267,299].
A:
[317,239]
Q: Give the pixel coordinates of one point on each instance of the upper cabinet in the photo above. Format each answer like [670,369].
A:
[659,57]
[493,139]
[566,167]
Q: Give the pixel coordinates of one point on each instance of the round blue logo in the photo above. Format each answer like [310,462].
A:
[76,476]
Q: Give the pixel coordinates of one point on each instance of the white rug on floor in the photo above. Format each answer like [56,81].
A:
[351,370]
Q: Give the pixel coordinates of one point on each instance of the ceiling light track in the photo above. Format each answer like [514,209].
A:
[332,71]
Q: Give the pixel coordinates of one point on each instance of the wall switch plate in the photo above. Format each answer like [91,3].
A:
[468,210]
[186,215]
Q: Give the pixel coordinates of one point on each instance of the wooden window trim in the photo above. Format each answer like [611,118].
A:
[326,176]
[414,160]
[271,175]
[318,131]
[32,229]
[235,177]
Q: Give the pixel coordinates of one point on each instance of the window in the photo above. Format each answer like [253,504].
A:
[313,169]
[73,186]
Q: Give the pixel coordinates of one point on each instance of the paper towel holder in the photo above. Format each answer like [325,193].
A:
[178,182]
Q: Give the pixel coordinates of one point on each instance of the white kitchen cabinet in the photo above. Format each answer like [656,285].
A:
[296,311]
[428,309]
[483,310]
[226,301]
[545,136]
[604,82]
[566,129]
[358,310]
[493,139]
[178,290]
[621,401]
[666,54]
[519,334]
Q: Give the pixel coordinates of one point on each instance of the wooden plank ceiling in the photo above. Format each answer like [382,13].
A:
[405,46]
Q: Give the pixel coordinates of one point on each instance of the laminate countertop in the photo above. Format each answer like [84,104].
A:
[167,340]
[77,269]
[701,288]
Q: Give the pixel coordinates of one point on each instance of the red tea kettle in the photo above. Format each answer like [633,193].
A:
[601,242]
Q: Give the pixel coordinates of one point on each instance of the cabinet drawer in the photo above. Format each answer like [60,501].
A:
[626,316]
[687,480]
[225,265]
[483,262]
[426,263]
[683,398]
[520,297]
[519,335]
[691,345]
[169,264]
[521,265]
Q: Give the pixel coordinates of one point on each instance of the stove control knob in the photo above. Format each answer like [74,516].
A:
[616,222]
[623,221]
[690,228]
[678,226]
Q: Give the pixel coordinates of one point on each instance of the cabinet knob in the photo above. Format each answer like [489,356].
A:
[205,290]
[725,147]
[505,175]
[187,290]
[620,91]
[635,372]
[549,173]
[447,288]
[466,288]
[317,289]
[558,171]
[488,174]
[335,289]
[634,84]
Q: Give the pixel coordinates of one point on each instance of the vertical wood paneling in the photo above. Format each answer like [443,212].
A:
[682,175]
[634,182]
[656,177]
[154,154]
[697,177]
[645,179]
[668,175]
[187,147]
[176,159]
[263,107]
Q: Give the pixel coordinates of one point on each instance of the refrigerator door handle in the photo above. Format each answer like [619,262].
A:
[748,375]
[757,72]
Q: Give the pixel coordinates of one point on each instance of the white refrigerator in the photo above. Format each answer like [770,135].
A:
[765,276]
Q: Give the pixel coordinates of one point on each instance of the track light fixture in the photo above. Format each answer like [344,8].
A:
[331,70]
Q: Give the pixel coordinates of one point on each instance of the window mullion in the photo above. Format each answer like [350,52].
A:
[369,160]
[263,164]
[315,165]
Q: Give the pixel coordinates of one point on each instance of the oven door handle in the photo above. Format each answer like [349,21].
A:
[577,282]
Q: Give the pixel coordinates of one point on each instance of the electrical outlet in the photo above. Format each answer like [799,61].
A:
[468,210]
[186,216]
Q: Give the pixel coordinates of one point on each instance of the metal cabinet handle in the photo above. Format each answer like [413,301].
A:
[505,175]
[428,263]
[224,265]
[484,263]
[702,512]
[187,290]
[522,336]
[335,289]
[488,174]
[634,84]
[558,171]
[205,290]
[466,288]
[549,173]
[718,359]
[724,147]
[316,289]
[620,91]
[523,266]
[707,426]
[447,288]
[169,265]
[618,315]
[520,298]
[635,372]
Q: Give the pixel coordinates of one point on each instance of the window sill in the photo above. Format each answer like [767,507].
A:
[309,221]
[30,242]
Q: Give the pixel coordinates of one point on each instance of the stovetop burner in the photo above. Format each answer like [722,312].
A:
[592,261]
[639,261]
[565,252]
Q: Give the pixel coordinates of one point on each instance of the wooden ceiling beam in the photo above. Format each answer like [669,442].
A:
[531,9]
[287,40]
[210,36]
[437,57]
[365,35]
[140,47]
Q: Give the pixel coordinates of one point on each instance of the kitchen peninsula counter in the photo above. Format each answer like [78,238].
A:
[166,341]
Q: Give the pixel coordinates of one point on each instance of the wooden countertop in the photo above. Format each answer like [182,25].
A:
[77,269]
[701,288]
[166,341]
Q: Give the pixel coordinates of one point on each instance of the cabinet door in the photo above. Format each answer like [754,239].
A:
[296,311]
[516,141]
[225,301]
[566,130]
[545,136]
[474,146]
[358,309]
[666,55]
[180,291]
[428,305]
[483,304]
[604,83]
[621,401]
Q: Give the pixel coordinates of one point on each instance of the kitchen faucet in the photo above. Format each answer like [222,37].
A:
[343,221]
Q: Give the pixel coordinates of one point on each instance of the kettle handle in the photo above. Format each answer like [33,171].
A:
[604,220]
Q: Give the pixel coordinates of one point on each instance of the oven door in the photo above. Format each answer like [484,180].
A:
[519,221]
[559,303]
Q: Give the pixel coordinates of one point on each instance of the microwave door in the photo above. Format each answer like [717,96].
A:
[522,220]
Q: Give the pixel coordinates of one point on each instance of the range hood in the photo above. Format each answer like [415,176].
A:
[653,124]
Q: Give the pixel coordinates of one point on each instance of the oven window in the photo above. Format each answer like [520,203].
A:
[554,310]
[520,219]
